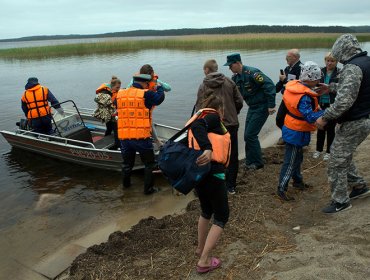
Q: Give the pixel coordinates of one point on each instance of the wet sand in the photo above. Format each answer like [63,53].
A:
[40,245]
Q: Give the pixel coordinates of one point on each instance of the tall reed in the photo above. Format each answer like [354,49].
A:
[261,41]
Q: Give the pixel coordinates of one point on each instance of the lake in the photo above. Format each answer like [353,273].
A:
[45,201]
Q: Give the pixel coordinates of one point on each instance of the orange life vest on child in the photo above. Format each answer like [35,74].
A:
[104,86]
[36,99]
[221,143]
[134,119]
[293,93]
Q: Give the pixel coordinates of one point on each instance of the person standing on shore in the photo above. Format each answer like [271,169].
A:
[302,112]
[134,107]
[291,72]
[351,109]
[207,133]
[258,91]
[330,72]
[226,89]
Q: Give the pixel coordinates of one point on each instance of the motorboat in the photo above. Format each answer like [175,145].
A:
[79,138]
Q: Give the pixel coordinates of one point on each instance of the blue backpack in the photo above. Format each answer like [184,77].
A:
[178,164]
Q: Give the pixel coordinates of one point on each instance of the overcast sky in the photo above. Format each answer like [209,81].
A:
[20,18]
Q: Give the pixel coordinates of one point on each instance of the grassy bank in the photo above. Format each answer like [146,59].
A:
[196,42]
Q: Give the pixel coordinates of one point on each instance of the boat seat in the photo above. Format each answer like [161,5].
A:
[105,142]
[83,134]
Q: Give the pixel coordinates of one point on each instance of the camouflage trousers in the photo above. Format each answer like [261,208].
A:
[342,172]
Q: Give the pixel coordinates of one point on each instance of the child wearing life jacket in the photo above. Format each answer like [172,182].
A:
[303,111]
[105,98]
[207,133]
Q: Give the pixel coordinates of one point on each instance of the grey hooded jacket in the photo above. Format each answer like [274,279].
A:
[349,78]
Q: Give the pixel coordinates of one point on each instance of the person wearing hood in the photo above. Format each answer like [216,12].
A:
[226,89]
[259,93]
[302,112]
[35,105]
[351,110]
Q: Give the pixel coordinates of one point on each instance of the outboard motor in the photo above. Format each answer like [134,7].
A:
[23,124]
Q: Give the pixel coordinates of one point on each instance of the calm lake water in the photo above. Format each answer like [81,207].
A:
[44,199]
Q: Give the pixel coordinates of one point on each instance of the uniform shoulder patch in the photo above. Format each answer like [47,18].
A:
[258,77]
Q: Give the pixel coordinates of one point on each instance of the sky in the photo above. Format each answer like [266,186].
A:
[23,18]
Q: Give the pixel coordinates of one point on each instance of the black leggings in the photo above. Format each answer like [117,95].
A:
[329,130]
[212,193]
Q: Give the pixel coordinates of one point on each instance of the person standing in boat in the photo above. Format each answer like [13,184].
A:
[35,105]
[134,107]
[106,95]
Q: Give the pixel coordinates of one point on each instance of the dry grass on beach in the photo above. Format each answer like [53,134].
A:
[164,248]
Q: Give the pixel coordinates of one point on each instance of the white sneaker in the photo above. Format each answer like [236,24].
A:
[316,154]
[326,156]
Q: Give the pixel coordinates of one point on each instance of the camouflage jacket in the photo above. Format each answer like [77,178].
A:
[349,78]
[105,108]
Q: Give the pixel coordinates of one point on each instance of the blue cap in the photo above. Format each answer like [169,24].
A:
[232,58]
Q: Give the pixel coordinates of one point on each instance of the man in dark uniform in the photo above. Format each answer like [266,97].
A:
[291,72]
[258,91]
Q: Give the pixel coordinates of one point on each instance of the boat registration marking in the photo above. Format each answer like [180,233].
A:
[89,154]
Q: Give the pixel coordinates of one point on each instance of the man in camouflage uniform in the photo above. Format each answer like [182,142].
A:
[351,109]
[258,91]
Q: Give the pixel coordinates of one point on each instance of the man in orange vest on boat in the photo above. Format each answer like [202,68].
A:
[134,107]
[35,105]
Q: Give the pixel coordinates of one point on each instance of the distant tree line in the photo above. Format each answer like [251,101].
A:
[203,31]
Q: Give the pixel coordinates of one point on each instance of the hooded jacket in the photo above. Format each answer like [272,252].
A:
[353,88]
[227,90]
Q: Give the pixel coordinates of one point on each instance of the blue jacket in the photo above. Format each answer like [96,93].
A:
[299,138]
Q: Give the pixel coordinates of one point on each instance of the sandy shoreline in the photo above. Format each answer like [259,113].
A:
[259,241]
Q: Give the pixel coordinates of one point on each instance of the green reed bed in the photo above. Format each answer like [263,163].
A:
[240,41]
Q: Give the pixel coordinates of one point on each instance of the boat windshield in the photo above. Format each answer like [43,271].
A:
[69,121]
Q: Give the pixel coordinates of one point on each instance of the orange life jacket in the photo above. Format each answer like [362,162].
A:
[153,83]
[294,91]
[221,143]
[36,99]
[134,119]
[104,86]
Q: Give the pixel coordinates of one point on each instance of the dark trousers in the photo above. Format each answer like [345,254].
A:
[128,150]
[280,115]
[232,170]
[42,125]
[329,131]
[291,167]
[256,118]
[112,126]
